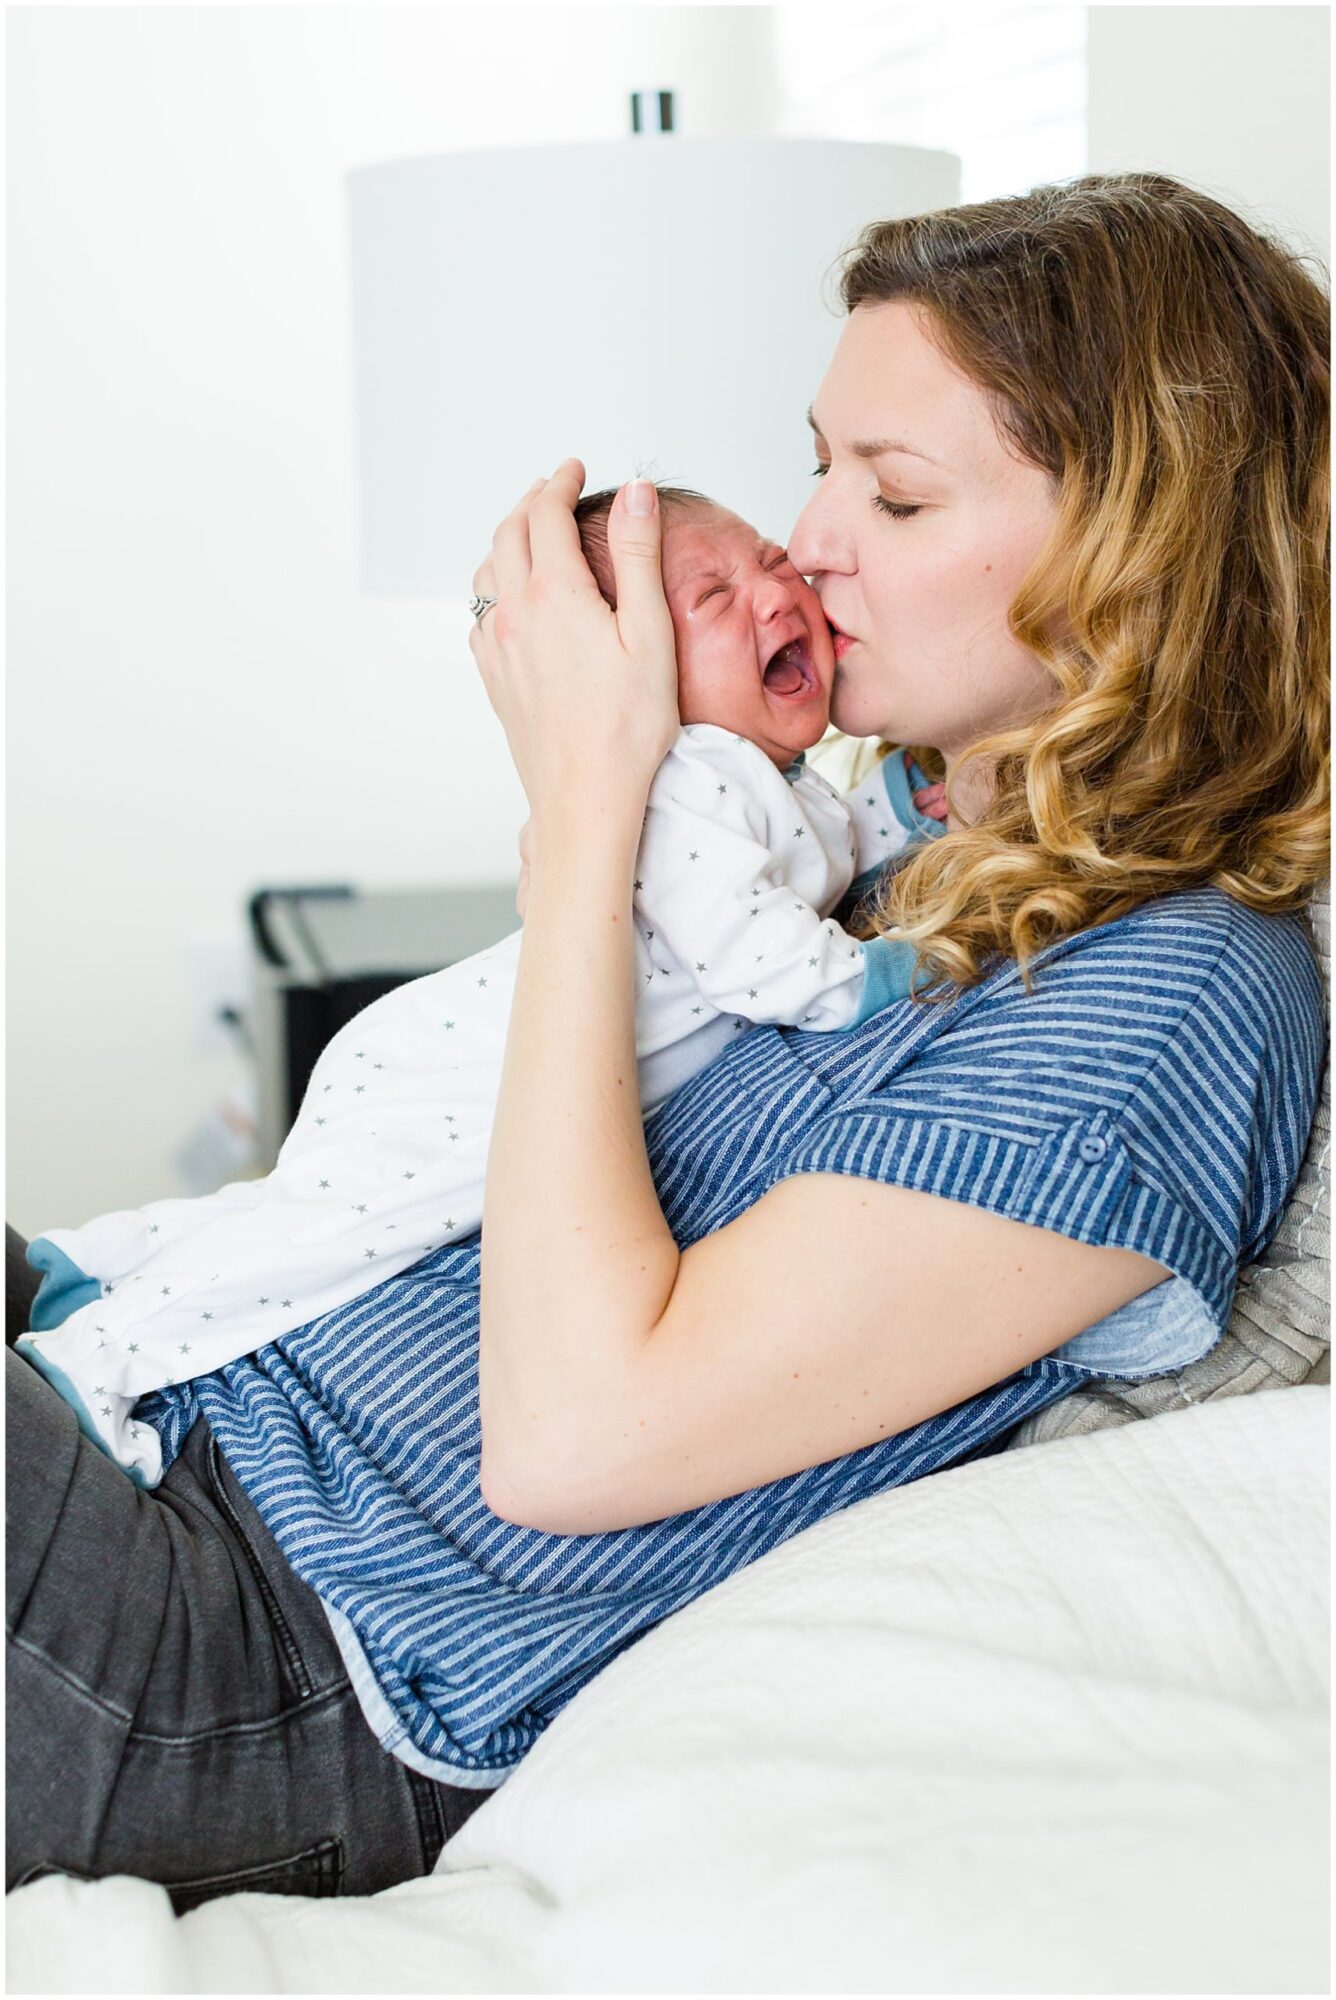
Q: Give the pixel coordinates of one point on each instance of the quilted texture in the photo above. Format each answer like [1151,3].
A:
[1279,1331]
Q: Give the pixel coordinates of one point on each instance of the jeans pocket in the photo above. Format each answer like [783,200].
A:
[296,1673]
[316,1871]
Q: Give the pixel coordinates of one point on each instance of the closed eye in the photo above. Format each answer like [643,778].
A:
[899,510]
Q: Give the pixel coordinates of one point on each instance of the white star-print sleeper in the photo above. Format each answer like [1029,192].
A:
[737,867]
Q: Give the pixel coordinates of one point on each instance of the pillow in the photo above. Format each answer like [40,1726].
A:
[1279,1330]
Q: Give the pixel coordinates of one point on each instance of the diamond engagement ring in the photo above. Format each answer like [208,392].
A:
[480,606]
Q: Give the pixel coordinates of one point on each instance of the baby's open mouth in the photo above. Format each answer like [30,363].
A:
[791,673]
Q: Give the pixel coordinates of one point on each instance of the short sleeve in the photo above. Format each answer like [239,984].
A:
[1153,1092]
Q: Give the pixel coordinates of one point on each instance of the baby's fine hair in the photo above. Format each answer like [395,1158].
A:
[591,517]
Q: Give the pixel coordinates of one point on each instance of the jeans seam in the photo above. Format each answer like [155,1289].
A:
[190,1738]
[430,1820]
[70,1679]
[288,1646]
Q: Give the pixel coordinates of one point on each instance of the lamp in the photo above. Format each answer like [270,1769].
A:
[652,305]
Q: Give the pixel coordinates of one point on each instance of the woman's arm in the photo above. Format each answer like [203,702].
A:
[577,1260]
[833,1313]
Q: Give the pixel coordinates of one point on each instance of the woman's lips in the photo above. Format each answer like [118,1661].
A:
[841,642]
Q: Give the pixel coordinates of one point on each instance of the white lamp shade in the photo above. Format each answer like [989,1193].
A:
[658,305]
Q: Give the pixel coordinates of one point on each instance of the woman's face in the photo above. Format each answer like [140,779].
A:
[916,563]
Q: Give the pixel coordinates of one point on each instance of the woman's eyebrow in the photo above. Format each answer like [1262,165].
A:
[874,447]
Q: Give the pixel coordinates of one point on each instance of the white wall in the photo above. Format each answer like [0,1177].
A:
[1000,84]
[1235,100]
[199,699]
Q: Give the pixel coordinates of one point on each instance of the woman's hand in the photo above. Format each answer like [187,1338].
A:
[587,696]
[522,889]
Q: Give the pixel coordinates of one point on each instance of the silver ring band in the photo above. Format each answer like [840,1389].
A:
[480,606]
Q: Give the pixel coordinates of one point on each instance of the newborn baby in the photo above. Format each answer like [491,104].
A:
[742,854]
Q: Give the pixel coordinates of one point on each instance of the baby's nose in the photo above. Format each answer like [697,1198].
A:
[773,594]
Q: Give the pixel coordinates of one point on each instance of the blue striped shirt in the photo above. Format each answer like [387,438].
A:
[1154,1092]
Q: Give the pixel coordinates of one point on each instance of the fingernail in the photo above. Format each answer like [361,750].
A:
[640,497]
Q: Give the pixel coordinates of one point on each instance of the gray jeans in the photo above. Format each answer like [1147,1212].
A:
[176,1706]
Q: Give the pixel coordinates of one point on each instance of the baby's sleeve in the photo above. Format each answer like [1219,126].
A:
[719,854]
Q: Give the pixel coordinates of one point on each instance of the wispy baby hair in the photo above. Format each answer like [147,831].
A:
[1167,364]
[591,517]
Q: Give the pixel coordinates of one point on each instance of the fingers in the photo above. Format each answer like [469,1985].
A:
[554,539]
[511,560]
[635,547]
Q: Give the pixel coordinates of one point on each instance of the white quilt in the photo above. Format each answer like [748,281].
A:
[1052,1722]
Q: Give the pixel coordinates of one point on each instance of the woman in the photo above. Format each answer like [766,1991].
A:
[1069,531]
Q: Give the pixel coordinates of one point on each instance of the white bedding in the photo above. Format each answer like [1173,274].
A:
[1052,1722]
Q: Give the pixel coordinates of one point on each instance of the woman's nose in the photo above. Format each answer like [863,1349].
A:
[815,543]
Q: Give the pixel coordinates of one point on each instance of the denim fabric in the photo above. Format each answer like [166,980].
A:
[177,1707]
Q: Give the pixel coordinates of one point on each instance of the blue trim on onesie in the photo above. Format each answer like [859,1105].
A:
[888,964]
[63,1290]
[898,787]
[63,1387]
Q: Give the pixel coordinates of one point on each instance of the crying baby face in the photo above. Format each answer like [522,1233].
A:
[754,651]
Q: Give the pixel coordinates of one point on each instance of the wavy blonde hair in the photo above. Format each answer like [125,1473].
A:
[1168,366]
